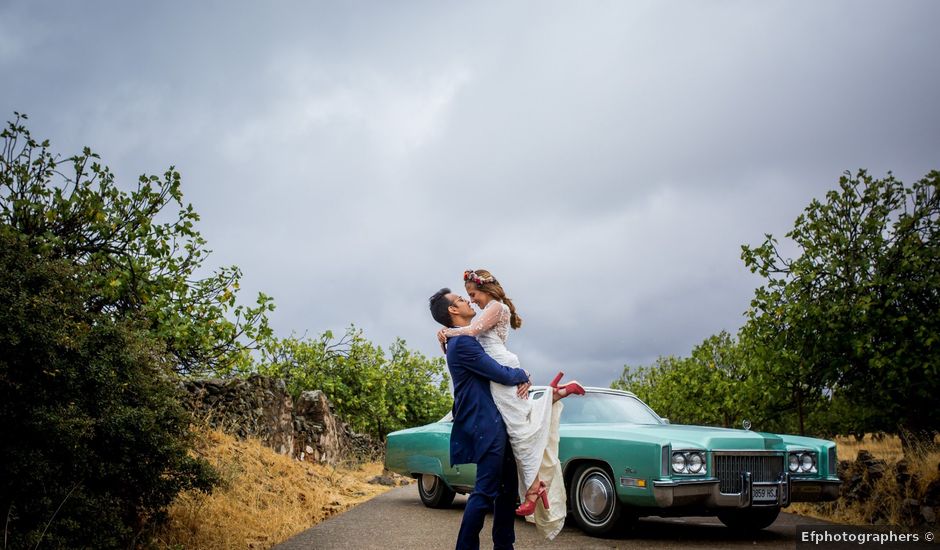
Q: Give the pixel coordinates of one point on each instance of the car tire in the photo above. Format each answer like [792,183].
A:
[434,492]
[594,503]
[749,519]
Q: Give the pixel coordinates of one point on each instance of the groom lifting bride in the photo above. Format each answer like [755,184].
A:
[512,440]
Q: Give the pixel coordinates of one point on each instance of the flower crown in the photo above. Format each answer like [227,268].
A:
[470,276]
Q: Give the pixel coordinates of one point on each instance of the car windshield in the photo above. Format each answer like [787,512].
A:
[598,408]
[607,408]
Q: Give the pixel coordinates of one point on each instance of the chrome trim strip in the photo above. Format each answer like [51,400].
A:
[736,452]
[830,482]
[745,490]
[678,482]
[816,490]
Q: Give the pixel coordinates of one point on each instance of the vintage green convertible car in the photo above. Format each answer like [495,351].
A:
[622,461]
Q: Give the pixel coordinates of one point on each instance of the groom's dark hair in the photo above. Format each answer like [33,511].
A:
[439,304]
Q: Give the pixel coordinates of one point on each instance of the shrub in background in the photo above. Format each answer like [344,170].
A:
[95,443]
[374,391]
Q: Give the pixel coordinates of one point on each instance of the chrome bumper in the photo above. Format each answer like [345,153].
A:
[814,490]
[683,492]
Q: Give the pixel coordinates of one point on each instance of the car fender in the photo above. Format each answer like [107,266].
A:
[421,464]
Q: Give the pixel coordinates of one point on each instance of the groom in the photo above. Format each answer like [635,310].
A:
[479,435]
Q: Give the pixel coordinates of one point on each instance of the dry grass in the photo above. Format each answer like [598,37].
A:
[887,448]
[265,498]
[884,502]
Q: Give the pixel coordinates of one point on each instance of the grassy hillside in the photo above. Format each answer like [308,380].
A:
[265,497]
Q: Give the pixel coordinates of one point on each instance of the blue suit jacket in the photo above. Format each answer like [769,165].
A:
[477,422]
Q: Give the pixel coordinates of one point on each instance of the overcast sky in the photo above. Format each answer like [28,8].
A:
[605,160]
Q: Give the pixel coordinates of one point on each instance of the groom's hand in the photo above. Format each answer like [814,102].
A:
[522,390]
[442,339]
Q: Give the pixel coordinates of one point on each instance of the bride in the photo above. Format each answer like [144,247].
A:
[532,425]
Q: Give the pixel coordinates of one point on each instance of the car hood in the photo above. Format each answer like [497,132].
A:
[679,436]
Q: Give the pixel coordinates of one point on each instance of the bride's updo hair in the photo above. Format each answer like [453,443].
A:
[485,282]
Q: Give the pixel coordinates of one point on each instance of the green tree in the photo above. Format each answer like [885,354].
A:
[417,389]
[857,312]
[131,262]
[710,387]
[95,442]
[372,391]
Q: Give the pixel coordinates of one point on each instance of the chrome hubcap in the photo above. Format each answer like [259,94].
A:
[428,482]
[596,497]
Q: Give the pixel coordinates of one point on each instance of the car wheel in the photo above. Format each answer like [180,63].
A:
[749,519]
[434,493]
[594,503]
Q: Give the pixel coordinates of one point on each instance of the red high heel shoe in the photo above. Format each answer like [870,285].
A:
[570,388]
[527,508]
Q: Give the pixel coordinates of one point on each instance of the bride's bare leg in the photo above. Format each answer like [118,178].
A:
[532,495]
[533,490]
[570,388]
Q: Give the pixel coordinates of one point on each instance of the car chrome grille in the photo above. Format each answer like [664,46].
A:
[763,468]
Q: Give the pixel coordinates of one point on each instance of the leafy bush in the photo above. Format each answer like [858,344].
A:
[95,443]
[373,391]
[101,309]
[132,263]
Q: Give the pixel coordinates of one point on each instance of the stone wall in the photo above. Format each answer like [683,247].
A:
[260,407]
[877,492]
[862,482]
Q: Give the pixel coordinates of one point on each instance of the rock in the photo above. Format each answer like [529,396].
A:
[932,493]
[902,473]
[316,427]
[261,407]
[383,480]
[876,469]
[928,515]
[910,512]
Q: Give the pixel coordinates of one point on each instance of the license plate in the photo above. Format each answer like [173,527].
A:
[764,494]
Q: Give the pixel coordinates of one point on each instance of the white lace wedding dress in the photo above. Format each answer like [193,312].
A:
[532,424]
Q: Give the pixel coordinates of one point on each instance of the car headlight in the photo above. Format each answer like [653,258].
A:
[678,463]
[807,463]
[803,462]
[688,462]
[696,463]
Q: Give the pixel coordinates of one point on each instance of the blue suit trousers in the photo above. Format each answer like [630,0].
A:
[495,491]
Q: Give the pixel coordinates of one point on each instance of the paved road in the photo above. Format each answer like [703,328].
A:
[397,520]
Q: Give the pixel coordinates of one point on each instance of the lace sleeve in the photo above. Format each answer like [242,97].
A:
[481,323]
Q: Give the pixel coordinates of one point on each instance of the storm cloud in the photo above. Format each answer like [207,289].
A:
[605,160]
